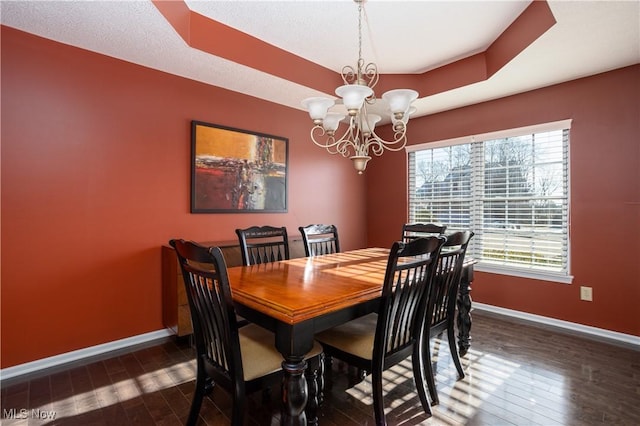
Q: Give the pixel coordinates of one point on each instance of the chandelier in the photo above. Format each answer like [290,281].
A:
[360,139]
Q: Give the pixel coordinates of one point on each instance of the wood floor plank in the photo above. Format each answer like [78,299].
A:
[515,374]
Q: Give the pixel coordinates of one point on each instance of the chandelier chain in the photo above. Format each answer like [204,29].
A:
[359,38]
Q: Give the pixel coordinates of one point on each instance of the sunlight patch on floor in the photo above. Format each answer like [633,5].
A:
[124,390]
[459,399]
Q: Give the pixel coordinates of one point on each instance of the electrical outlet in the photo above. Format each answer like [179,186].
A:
[586,293]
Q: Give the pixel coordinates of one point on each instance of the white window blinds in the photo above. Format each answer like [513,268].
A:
[511,188]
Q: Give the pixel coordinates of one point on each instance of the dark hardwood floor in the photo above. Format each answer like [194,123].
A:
[516,374]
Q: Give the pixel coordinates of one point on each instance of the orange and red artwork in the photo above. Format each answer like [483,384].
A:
[235,170]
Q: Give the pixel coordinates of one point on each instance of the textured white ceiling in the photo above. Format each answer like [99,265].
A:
[400,36]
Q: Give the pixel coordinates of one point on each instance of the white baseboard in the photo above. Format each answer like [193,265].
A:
[626,339]
[57,360]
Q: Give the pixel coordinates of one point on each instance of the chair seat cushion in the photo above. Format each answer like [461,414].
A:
[355,337]
[259,355]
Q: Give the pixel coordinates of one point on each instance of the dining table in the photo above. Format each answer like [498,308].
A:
[298,298]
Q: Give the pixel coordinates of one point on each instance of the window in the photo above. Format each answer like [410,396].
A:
[511,188]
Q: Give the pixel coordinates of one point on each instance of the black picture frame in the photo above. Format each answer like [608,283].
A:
[237,171]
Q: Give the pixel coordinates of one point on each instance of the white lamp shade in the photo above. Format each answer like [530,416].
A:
[400,99]
[332,121]
[317,107]
[353,95]
[369,124]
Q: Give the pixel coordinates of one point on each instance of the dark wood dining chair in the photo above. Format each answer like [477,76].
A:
[320,239]
[380,340]
[411,231]
[240,360]
[263,244]
[441,307]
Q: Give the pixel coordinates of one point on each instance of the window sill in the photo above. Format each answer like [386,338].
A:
[535,275]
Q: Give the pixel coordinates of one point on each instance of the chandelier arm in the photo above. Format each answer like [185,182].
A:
[376,147]
[352,136]
[370,76]
[380,144]
[331,144]
[349,74]
[328,144]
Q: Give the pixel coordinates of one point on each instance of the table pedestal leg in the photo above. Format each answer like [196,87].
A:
[314,383]
[464,317]
[294,392]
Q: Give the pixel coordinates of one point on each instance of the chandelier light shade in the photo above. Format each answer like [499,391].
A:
[359,140]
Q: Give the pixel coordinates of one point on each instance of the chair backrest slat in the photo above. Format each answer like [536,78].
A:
[263,244]
[410,269]
[442,299]
[320,239]
[213,316]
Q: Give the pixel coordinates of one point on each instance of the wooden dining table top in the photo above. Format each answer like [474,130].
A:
[296,290]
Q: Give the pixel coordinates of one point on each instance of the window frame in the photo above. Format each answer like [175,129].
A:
[563,276]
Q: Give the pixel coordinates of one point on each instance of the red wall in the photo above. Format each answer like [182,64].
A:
[95,178]
[605,195]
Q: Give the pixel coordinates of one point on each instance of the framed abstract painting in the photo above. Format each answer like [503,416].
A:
[237,171]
